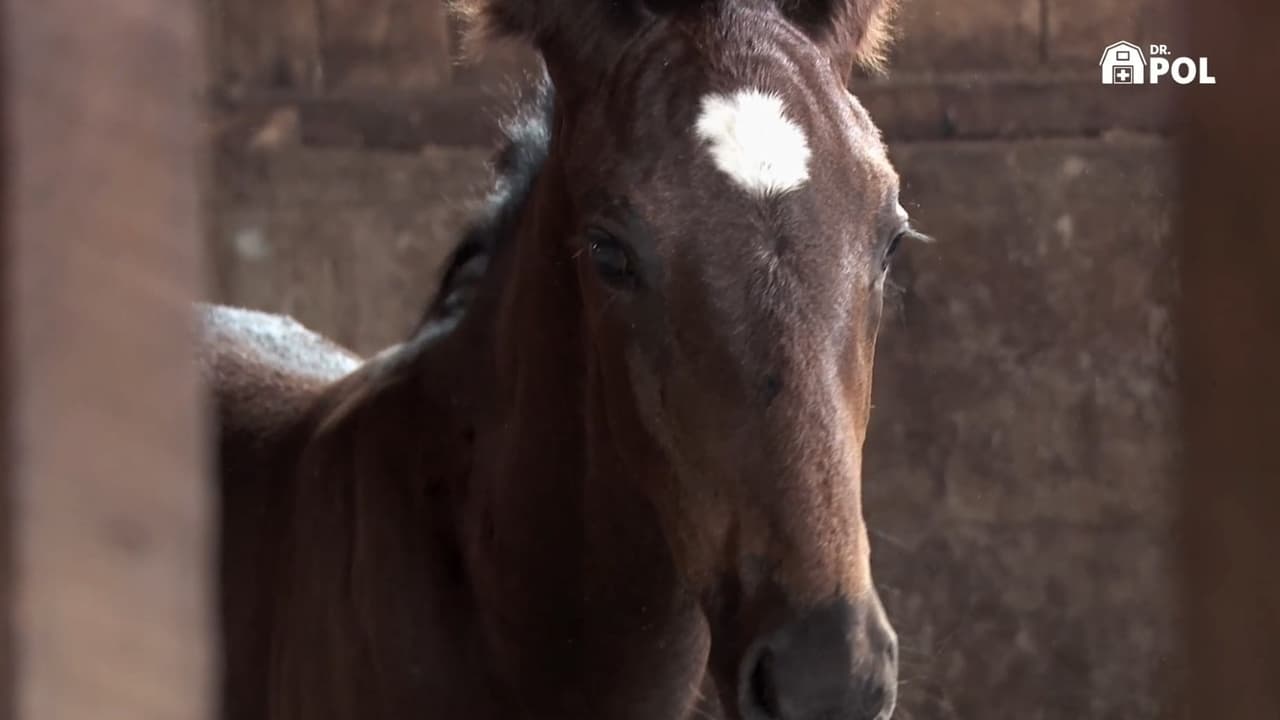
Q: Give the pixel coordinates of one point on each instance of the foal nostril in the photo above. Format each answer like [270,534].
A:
[875,700]
[762,689]
[829,663]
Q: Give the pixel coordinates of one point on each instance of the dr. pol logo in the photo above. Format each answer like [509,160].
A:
[1123,63]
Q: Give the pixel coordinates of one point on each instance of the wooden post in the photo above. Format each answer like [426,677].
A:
[110,504]
[1231,362]
[6,398]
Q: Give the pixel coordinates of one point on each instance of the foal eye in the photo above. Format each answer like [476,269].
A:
[892,250]
[611,259]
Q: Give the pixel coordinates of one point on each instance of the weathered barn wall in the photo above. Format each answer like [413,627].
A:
[1019,468]
[1020,459]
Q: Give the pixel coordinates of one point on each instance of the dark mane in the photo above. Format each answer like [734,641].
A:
[526,136]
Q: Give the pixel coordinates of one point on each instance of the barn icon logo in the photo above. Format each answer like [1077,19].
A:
[1123,64]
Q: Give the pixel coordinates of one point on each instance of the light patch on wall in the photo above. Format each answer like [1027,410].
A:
[753,141]
[251,244]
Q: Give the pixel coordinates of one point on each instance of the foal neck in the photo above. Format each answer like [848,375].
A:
[576,591]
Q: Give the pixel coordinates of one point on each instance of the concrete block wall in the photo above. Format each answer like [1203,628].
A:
[1020,466]
[1024,36]
[1019,470]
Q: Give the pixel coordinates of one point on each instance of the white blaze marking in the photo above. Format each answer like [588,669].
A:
[753,141]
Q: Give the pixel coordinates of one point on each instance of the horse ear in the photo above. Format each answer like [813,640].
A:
[573,36]
[853,31]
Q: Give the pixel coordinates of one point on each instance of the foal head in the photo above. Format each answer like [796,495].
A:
[732,213]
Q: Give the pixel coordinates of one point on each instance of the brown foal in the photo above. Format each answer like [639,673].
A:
[617,473]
